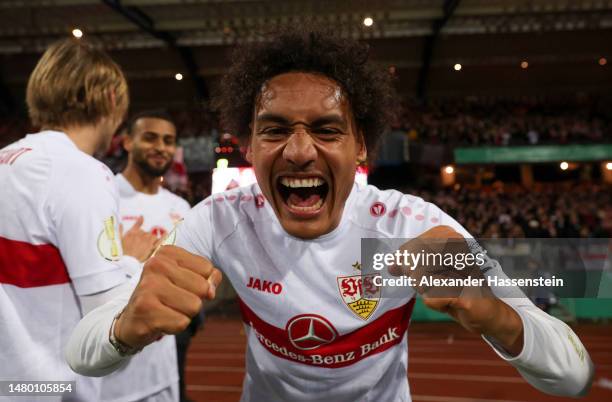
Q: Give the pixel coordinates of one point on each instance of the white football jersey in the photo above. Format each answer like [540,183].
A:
[156,367]
[311,334]
[59,239]
[161,211]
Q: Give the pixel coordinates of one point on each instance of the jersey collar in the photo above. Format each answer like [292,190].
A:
[61,136]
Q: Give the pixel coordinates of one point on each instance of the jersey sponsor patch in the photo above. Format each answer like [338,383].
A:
[310,331]
[312,339]
[108,243]
[359,294]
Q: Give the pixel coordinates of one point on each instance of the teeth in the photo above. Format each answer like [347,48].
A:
[315,207]
[297,183]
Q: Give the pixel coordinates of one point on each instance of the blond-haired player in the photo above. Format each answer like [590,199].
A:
[60,247]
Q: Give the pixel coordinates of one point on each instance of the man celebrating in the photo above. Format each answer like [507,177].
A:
[311,108]
[150,141]
[60,247]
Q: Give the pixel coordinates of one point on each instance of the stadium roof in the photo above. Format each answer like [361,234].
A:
[153,40]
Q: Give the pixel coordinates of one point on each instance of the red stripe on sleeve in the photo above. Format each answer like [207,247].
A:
[27,265]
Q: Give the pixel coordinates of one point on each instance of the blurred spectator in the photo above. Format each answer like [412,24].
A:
[551,211]
[503,122]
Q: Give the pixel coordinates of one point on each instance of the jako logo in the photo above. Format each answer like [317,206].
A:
[265,286]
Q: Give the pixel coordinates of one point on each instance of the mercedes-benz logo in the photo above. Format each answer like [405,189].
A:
[309,331]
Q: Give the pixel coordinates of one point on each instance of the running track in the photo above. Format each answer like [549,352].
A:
[446,364]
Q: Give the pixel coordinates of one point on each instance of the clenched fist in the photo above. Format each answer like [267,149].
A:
[170,292]
[475,307]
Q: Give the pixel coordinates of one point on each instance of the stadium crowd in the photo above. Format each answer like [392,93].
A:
[553,211]
[503,122]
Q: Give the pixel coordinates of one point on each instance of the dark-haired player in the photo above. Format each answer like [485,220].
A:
[150,141]
[311,107]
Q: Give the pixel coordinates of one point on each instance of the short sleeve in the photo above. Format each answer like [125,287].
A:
[83,206]
[195,232]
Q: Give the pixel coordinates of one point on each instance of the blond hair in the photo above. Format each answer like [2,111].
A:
[75,84]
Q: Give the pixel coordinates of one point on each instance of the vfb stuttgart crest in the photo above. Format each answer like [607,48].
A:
[360,294]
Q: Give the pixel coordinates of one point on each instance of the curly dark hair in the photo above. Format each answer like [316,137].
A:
[369,89]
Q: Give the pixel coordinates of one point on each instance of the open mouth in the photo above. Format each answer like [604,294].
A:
[304,195]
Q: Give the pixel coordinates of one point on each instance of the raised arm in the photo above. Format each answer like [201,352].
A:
[544,350]
[170,291]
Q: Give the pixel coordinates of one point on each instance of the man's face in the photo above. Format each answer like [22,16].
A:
[304,147]
[152,145]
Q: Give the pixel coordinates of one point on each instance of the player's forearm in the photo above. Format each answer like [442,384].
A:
[552,358]
[89,351]
[506,328]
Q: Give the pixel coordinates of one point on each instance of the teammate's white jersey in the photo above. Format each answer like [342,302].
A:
[161,211]
[156,367]
[59,240]
[310,335]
